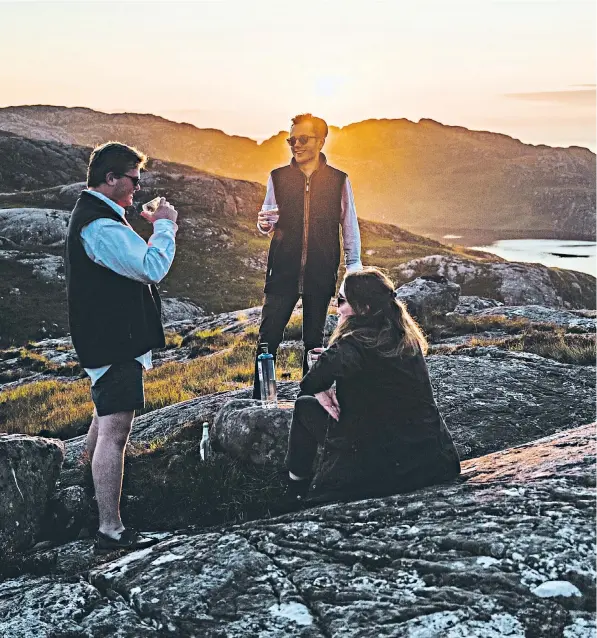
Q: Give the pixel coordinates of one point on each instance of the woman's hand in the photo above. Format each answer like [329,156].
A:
[329,403]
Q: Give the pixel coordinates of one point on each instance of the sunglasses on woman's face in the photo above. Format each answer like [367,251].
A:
[303,139]
[341,300]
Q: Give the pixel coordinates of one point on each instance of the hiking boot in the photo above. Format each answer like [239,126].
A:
[129,539]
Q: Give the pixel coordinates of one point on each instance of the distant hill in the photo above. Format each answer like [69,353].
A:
[425,177]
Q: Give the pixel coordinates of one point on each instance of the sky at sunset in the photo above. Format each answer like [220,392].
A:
[521,67]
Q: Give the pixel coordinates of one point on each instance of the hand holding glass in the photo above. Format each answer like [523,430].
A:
[152,205]
[268,216]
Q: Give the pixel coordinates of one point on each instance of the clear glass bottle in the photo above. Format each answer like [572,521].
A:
[267,377]
[205,445]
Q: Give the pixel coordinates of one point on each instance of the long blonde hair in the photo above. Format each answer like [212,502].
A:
[380,321]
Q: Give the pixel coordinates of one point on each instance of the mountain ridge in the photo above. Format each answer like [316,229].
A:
[420,176]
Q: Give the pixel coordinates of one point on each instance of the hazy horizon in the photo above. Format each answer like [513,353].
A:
[524,68]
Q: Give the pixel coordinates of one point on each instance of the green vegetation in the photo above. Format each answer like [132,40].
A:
[521,335]
[64,408]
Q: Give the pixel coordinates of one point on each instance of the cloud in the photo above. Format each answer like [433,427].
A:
[580,97]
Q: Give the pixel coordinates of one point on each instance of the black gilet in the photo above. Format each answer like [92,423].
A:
[112,318]
[304,253]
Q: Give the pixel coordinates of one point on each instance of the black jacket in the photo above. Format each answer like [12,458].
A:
[112,318]
[390,436]
[304,253]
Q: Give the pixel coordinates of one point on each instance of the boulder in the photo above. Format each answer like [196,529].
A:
[179,309]
[506,551]
[512,283]
[429,297]
[246,430]
[29,467]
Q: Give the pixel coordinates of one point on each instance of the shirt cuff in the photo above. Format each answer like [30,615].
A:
[161,225]
[265,232]
[354,267]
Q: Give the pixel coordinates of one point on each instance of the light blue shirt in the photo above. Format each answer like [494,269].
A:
[351,235]
[119,248]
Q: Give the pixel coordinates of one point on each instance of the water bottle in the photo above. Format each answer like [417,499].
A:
[267,377]
[205,445]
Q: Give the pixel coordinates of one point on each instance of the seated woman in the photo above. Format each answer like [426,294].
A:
[380,428]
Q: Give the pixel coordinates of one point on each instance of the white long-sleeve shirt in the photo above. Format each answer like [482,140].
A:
[119,248]
[351,235]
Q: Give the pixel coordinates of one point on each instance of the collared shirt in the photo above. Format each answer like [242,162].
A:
[351,235]
[117,247]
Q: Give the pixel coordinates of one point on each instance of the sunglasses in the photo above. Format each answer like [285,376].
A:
[341,300]
[303,139]
[135,180]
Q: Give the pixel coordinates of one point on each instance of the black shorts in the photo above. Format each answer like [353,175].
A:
[120,389]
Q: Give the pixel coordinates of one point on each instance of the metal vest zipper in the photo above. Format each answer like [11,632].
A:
[306,199]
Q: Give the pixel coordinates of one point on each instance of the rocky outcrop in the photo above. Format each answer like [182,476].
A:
[27,164]
[512,283]
[179,309]
[491,399]
[43,266]
[541,314]
[507,551]
[429,297]
[469,304]
[34,227]
[29,467]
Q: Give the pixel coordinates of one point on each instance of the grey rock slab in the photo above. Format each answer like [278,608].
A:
[29,467]
[175,309]
[469,558]
[166,421]
[492,399]
[541,314]
[49,608]
[44,266]
[34,227]
[468,304]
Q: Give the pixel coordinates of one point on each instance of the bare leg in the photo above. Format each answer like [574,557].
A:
[107,468]
[91,440]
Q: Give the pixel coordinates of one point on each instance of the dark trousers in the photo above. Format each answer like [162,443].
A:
[276,313]
[308,429]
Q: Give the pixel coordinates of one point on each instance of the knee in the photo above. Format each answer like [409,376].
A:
[116,427]
[305,404]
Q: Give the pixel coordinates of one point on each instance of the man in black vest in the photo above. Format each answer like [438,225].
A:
[114,316]
[305,205]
